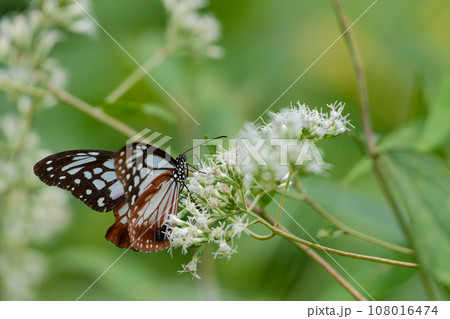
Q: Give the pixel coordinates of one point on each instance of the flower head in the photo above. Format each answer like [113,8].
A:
[192,31]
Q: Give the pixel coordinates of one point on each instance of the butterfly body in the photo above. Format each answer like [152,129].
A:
[140,183]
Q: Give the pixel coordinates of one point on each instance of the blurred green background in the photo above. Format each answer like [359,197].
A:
[405,46]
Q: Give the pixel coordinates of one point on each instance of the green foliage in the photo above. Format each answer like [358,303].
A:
[422,183]
[405,60]
[436,130]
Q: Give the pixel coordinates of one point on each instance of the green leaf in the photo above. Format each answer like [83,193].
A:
[154,110]
[160,112]
[436,129]
[122,107]
[421,183]
[266,199]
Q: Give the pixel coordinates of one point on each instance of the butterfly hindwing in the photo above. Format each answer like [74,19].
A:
[146,172]
[150,212]
[118,232]
[88,174]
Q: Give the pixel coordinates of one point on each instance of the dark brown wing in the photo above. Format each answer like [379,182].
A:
[88,174]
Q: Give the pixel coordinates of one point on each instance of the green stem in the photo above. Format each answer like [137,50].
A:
[6,83]
[317,258]
[339,224]
[280,208]
[93,111]
[344,283]
[372,150]
[71,100]
[260,237]
[138,74]
[293,238]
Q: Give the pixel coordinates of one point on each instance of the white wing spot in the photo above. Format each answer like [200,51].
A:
[49,169]
[99,184]
[100,202]
[94,153]
[77,181]
[62,177]
[52,175]
[88,175]
[128,176]
[74,170]
[109,176]
[97,170]
[88,192]
[109,164]
[136,181]
[49,162]
[116,190]
[79,163]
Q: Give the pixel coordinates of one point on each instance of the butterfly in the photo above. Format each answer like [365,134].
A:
[140,183]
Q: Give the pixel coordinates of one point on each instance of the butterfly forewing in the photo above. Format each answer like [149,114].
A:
[140,183]
[88,174]
[146,173]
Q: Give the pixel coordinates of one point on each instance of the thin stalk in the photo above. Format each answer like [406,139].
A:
[372,150]
[260,237]
[317,258]
[339,224]
[255,201]
[344,283]
[19,87]
[362,83]
[71,100]
[95,112]
[138,74]
[296,239]
[283,197]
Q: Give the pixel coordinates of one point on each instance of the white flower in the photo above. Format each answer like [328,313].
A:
[224,250]
[237,228]
[213,202]
[190,30]
[191,267]
[218,233]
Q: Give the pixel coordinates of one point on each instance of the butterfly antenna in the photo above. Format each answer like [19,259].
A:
[207,141]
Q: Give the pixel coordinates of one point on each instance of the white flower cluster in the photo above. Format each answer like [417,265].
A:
[27,39]
[30,212]
[214,208]
[304,123]
[202,220]
[192,31]
[287,142]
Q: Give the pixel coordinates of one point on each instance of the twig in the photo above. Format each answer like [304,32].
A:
[362,84]
[68,98]
[280,208]
[138,74]
[278,231]
[317,258]
[371,145]
[339,224]
[95,112]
